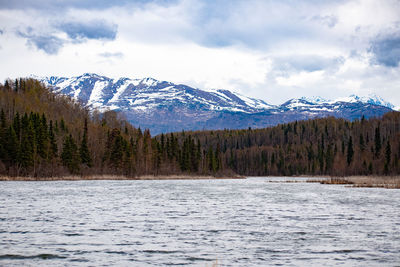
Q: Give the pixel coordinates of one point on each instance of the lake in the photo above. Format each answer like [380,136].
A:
[251,222]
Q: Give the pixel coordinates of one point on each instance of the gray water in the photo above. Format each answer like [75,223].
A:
[250,222]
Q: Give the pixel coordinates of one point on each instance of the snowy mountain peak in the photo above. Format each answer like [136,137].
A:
[149,94]
[164,106]
[370,99]
[376,100]
[314,99]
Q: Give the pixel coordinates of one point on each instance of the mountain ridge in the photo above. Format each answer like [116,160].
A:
[163,106]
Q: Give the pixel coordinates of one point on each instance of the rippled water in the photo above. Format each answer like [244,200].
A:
[250,222]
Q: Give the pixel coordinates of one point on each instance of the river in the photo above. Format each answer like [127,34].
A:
[249,222]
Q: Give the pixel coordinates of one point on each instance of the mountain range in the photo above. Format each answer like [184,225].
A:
[163,106]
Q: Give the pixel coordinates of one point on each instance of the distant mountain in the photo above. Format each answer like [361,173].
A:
[165,107]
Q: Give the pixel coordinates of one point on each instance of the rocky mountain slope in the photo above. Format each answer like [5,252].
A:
[164,107]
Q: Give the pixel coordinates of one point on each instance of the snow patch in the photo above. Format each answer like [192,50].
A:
[119,92]
[97,93]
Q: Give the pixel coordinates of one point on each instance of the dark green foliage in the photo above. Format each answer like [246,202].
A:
[3,137]
[329,159]
[53,150]
[388,152]
[12,146]
[388,157]
[69,155]
[41,130]
[350,151]
[378,142]
[84,149]
[28,143]
[116,146]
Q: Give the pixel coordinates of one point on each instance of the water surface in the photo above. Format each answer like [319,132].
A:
[250,222]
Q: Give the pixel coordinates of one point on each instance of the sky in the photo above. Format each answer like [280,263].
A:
[271,50]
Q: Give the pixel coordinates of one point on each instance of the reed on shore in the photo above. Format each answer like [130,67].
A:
[390,182]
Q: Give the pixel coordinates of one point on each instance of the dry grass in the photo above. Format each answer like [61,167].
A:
[390,182]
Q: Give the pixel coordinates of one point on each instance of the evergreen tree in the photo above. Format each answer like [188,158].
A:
[117,150]
[17,125]
[12,146]
[84,149]
[212,164]
[69,155]
[41,136]
[52,140]
[388,152]
[7,85]
[388,157]
[378,144]
[350,151]
[329,159]
[3,132]
[28,143]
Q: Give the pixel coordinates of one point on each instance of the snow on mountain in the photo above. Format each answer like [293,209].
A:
[164,106]
[314,99]
[147,94]
[306,102]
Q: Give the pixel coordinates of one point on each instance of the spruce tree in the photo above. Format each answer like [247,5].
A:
[378,142]
[17,125]
[28,143]
[212,164]
[350,151]
[84,149]
[53,149]
[3,133]
[70,156]
[388,157]
[12,145]
[42,136]
[117,149]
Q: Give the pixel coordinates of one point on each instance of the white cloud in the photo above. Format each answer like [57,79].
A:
[302,79]
[270,50]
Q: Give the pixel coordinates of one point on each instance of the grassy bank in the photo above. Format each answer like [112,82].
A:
[390,182]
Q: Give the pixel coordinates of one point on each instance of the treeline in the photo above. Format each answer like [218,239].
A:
[48,134]
[325,146]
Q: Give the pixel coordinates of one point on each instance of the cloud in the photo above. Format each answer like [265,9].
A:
[50,44]
[273,50]
[60,4]
[387,50]
[95,29]
[307,63]
[1,32]
[258,24]
[111,55]
[48,40]
[329,21]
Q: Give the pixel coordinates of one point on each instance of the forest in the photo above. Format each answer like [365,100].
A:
[44,134]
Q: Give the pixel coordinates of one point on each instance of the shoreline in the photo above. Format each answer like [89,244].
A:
[118,177]
[389,182]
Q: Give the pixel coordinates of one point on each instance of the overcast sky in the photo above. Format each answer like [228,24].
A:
[273,50]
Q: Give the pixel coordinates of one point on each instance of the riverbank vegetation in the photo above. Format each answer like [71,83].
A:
[390,182]
[44,134]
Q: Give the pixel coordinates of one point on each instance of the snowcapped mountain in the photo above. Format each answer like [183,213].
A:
[147,94]
[164,106]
